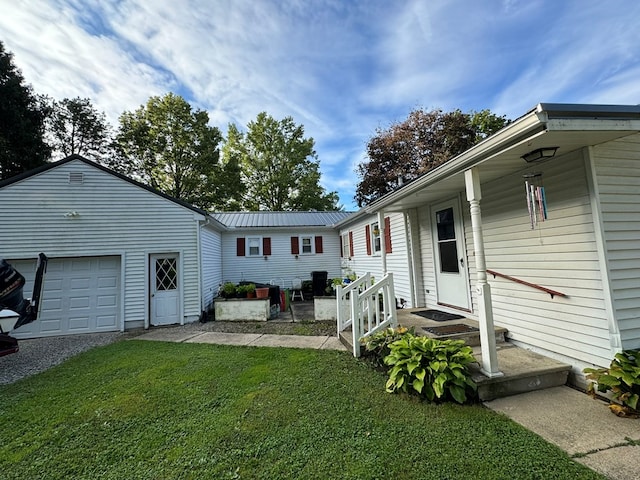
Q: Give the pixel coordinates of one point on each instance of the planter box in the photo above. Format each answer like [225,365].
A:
[324,308]
[247,309]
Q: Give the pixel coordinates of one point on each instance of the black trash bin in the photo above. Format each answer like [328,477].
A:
[319,283]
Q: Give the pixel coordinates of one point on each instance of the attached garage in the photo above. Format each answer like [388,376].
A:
[80,295]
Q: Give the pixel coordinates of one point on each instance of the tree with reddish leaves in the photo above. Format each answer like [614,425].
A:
[422,142]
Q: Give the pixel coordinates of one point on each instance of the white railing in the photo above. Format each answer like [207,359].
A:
[366,308]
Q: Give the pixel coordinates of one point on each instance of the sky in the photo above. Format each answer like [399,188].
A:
[341,68]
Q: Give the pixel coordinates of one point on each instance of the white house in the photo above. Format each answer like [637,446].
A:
[278,247]
[377,246]
[122,255]
[537,230]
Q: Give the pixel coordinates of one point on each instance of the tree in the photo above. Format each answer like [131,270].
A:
[76,127]
[173,149]
[425,140]
[280,169]
[22,117]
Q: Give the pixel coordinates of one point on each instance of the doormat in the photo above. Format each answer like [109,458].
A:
[450,329]
[437,315]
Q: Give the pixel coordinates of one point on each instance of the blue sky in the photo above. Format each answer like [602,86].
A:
[341,68]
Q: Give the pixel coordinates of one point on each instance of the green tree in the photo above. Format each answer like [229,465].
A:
[76,127]
[22,122]
[425,140]
[280,168]
[173,149]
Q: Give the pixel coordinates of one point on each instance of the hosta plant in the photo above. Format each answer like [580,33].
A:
[434,369]
[622,379]
[377,345]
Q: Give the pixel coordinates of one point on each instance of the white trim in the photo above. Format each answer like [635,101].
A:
[615,338]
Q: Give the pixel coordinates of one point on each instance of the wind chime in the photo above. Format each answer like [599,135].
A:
[536,198]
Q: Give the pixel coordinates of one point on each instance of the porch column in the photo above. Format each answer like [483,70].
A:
[383,233]
[483,289]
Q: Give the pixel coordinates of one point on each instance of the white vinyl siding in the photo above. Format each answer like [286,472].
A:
[113,217]
[560,254]
[281,267]
[211,247]
[617,169]
[397,261]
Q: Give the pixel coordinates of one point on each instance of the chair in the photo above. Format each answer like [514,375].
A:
[296,289]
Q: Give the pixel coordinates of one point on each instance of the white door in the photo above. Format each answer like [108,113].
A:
[452,280]
[165,289]
[79,295]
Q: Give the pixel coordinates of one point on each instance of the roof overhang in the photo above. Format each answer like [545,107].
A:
[566,126]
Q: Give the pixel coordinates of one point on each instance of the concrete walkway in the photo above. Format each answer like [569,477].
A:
[578,424]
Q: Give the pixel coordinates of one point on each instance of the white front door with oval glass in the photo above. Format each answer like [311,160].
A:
[165,289]
[452,279]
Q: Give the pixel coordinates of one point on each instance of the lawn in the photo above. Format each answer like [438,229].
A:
[148,410]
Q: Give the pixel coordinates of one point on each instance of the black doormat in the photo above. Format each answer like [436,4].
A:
[437,315]
[450,329]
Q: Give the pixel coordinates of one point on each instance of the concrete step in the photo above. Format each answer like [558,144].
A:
[524,371]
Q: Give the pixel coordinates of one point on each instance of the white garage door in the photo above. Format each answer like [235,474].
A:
[81,295]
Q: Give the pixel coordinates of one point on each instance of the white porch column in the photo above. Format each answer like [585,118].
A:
[383,250]
[483,289]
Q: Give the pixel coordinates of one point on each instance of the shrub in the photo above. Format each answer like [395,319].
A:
[228,290]
[622,378]
[434,369]
[377,345]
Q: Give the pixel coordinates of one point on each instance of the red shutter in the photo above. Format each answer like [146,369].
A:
[266,246]
[318,241]
[387,235]
[295,248]
[240,247]
[367,236]
[350,243]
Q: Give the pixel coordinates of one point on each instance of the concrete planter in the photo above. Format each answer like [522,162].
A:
[247,309]
[325,308]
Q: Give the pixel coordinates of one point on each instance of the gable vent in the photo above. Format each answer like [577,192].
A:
[76,178]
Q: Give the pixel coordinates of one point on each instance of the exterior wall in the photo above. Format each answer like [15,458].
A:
[211,253]
[281,266]
[114,218]
[560,253]
[617,180]
[397,261]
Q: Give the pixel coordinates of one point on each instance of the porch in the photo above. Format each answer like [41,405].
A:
[523,370]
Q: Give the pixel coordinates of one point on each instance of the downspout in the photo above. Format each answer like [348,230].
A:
[483,290]
[199,226]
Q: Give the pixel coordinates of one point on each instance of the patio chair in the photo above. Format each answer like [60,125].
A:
[296,289]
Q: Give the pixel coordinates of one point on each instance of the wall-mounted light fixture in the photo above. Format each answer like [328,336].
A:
[72,214]
[539,154]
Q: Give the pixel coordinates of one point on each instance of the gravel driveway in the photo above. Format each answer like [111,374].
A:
[38,354]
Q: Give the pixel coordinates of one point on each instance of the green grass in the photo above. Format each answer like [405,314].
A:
[148,410]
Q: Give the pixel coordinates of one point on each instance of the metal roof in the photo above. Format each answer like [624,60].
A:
[279,219]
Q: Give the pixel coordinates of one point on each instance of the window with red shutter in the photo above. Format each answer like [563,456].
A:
[350,243]
[367,236]
[318,242]
[387,235]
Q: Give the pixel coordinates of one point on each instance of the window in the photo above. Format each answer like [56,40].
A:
[346,245]
[306,245]
[375,237]
[254,246]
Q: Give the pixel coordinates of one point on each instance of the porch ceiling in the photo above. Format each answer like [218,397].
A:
[436,186]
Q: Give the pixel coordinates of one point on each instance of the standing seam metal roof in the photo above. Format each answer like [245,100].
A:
[279,219]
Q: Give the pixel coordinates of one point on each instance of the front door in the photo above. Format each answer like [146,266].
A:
[165,289]
[452,280]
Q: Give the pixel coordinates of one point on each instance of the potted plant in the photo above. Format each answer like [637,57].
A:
[241,291]
[251,290]
[228,290]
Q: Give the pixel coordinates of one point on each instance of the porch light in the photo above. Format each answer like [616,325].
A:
[539,154]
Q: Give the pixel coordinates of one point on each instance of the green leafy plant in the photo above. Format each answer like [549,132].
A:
[622,379]
[377,345]
[228,289]
[434,369]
